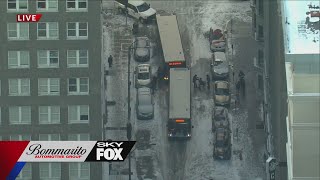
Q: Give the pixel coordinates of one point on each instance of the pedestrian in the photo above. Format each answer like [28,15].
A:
[208,81]
[154,84]
[241,75]
[110,60]
[159,76]
[194,80]
[135,27]
[201,83]
[238,87]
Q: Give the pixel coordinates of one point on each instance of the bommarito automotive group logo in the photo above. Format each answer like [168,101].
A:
[14,154]
[76,151]
[39,152]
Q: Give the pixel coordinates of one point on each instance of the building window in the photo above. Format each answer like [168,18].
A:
[18,31]
[49,137]
[78,86]
[17,5]
[77,5]
[77,58]
[261,7]
[47,5]
[19,87]
[48,59]
[48,30]
[79,137]
[50,171]
[48,86]
[78,114]
[18,59]
[19,137]
[260,58]
[260,31]
[79,171]
[0,87]
[77,30]
[20,115]
[260,82]
[49,114]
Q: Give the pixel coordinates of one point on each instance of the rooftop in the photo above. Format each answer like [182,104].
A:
[301,26]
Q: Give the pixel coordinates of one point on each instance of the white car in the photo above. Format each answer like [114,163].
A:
[143,75]
[137,9]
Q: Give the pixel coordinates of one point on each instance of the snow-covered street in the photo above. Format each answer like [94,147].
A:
[154,157]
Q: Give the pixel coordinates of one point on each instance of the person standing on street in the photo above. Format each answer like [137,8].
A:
[194,80]
[208,81]
[154,84]
[110,60]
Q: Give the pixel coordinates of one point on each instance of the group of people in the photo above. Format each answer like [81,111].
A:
[199,83]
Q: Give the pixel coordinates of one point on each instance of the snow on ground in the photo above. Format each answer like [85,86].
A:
[301,37]
[200,164]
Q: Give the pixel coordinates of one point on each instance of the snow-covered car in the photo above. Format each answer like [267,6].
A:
[222,93]
[137,9]
[220,118]
[219,66]
[144,104]
[217,40]
[142,49]
[222,145]
[143,75]
[218,45]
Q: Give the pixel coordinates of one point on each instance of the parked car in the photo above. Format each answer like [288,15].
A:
[143,75]
[144,104]
[137,9]
[222,145]
[219,66]
[221,93]
[220,118]
[142,49]
[217,40]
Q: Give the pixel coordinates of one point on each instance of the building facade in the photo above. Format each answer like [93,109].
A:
[267,30]
[50,79]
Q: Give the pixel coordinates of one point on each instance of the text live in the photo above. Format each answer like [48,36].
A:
[28,17]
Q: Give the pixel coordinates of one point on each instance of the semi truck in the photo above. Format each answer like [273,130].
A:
[179,120]
[170,41]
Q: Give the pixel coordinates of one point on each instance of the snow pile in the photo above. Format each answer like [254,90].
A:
[224,11]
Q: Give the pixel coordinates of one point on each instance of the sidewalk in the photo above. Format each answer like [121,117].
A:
[248,110]
[116,42]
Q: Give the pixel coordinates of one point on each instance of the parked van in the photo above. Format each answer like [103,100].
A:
[137,9]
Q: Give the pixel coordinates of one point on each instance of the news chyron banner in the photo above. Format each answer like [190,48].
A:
[14,154]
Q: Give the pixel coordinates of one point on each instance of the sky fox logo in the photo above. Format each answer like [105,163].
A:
[110,151]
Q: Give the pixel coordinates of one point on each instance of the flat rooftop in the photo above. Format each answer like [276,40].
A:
[300,21]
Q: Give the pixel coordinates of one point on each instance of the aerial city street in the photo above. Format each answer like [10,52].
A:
[224,138]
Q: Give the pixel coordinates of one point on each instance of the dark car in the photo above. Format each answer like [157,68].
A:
[222,145]
[142,49]
[220,118]
[144,104]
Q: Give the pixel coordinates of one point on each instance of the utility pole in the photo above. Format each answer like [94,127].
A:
[129,126]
